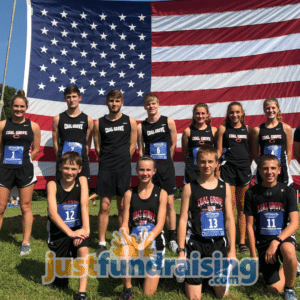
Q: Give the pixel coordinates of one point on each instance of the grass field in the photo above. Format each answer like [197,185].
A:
[20,276]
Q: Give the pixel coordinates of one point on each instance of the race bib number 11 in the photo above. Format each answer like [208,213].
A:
[271,222]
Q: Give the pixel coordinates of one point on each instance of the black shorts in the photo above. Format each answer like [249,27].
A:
[270,272]
[114,182]
[191,174]
[85,171]
[165,177]
[234,175]
[20,177]
[206,248]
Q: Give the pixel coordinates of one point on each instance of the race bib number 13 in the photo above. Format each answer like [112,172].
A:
[212,223]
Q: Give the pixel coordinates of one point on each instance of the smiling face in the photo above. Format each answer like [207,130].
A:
[200,115]
[73,100]
[151,106]
[271,110]
[235,114]
[19,108]
[145,170]
[207,163]
[269,171]
[69,171]
[114,104]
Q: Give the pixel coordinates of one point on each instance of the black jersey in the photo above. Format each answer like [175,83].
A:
[145,211]
[16,139]
[115,143]
[157,139]
[297,135]
[235,146]
[207,211]
[197,139]
[273,141]
[68,207]
[72,135]
[270,208]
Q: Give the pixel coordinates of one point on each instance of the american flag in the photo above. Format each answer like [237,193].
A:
[185,51]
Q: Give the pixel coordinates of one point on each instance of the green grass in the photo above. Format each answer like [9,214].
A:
[20,276]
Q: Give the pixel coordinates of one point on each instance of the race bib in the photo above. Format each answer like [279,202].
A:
[70,214]
[271,223]
[195,155]
[159,150]
[142,231]
[212,223]
[73,147]
[13,155]
[274,150]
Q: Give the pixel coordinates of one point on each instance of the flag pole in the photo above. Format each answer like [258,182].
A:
[7,56]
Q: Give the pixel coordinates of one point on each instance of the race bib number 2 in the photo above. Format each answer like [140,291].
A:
[159,150]
[13,155]
[212,224]
[70,214]
[73,147]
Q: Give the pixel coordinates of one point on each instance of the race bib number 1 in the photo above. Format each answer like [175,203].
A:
[70,214]
[274,150]
[13,155]
[73,147]
[159,150]
[212,224]
[271,222]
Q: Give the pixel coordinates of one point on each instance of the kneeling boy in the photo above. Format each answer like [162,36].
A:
[68,216]
[272,219]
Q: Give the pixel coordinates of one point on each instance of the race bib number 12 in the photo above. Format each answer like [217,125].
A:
[70,214]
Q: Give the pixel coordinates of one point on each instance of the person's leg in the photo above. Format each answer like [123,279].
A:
[84,253]
[171,214]
[4,194]
[233,197]
[220,291]
[27,217]
[150,285]
[288,253]
[120,206]
[278,286]
[103,217]
[193,292]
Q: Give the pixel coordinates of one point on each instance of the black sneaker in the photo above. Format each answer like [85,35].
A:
[127,294]
[81,296]
[100,249]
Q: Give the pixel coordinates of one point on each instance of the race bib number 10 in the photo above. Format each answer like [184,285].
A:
[212,224]
[73,147]
[70,214]
[159,150]
[13,155]
[271,223]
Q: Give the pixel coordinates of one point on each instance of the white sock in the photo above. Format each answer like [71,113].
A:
[102,244]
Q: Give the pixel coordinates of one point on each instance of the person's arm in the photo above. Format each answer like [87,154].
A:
[249,129]
[289,141]
[251,235]
[173,134]
[84,204]
[133,136]
[36,140]
[126,211]
[140,140]
[185,142]
[55,134]
[89,135]
[97,138]
[214,133]
[219,134]
[255,144]
[55,217]
[183,219]
[2,125]
[229,223]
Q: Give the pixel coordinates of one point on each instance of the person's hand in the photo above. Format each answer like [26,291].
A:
[270,256]
[77,242]
[79,233]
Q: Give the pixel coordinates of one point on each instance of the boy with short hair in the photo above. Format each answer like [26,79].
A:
[272,219]
[198,200]
[68,216]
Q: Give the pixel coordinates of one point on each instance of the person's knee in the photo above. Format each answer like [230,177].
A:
[2,210]
[274,289]
[105,207]
[288,251]
[25,207]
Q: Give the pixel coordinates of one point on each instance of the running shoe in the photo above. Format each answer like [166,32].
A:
[25,249]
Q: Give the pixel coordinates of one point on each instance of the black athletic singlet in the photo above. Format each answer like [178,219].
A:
[207,211]
[273,141]
[235,146]
[144,211]
[197,139]
[115,143]
[16,139]
[72,135]
[157,139]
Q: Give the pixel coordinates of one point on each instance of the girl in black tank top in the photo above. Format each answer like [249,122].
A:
[199,133]
[274,137]
[145,210]
[233,147]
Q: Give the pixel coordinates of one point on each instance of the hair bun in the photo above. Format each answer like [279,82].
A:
[21,93]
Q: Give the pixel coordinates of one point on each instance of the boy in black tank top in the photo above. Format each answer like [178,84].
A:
[199,199]
[115,142]
[72,131]
[68,216]
[157,137]
[272,220]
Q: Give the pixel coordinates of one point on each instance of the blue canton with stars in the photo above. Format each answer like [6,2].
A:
[98,46]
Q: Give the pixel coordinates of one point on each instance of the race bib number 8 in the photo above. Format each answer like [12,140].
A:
[212,223]
[142,231]
[274,150]
[73,147]
[271,223]
[195,155]
[70,214]
[13,155]
[159,150]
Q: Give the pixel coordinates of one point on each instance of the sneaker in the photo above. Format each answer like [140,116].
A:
[298,266]
[25,249]
[290,294]
[127,294]
[100,249]
[81,296]
[173,246]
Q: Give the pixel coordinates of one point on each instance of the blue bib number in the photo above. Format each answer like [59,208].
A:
[212,223]
[142,231]
[271,223]
[73,147]
[13,155]
[159,150]
[70,214]
[195,155]
[274,150]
